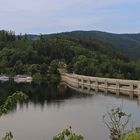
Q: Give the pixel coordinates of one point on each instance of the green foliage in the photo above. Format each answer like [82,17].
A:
[6,36]
[53,79]
[53,67]
[44,68]
[131,135]
[19,67]
[8,136]
[116,120]
[67,134]
[106,43]
[8,105]
[83,53]
[34,68]
[81,66]
[11,102]
[37,78]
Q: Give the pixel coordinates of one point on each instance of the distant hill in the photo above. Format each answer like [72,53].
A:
[128,44]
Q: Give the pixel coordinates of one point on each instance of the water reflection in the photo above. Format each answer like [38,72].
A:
[40,94]
[51,109]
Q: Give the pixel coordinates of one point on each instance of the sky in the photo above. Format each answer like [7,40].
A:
[53,16]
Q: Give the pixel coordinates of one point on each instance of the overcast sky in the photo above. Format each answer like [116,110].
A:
[51,16]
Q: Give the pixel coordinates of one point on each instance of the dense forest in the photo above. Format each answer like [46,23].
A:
[128,44]
[38,55]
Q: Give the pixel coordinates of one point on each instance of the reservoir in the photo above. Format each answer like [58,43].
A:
[50,110]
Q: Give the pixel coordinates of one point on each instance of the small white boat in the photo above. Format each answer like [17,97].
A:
[4,78]
[22,79]
[29,79]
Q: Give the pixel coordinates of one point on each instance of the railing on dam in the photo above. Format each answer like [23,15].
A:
[88,83]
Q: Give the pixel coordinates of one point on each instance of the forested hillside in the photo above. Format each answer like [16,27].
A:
[128,44]
[28,55]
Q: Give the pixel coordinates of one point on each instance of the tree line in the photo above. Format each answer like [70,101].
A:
[21,55]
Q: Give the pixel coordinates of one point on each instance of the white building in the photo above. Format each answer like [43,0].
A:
[4,78]
[23,79]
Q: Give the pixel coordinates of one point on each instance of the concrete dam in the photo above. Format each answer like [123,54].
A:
[88,84]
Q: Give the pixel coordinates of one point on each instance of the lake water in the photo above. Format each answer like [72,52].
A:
[49,111]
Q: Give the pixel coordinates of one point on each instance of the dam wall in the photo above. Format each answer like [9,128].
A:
[90,84]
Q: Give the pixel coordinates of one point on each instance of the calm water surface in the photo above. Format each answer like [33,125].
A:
[49,111]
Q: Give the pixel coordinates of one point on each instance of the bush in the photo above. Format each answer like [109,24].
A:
[131,135]
[67,134]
